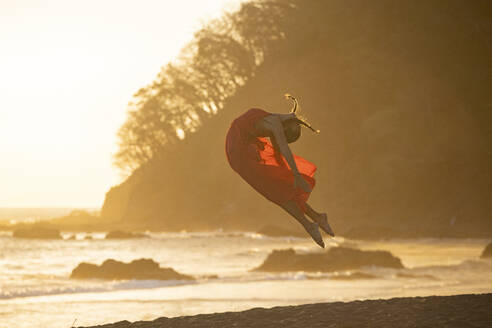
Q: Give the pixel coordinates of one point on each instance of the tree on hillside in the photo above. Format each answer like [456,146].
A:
[221,58]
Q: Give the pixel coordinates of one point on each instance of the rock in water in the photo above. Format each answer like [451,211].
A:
[37,233]
[487,252]
[335,259]
[142,269]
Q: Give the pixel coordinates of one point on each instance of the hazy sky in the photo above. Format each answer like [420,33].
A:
[67,71]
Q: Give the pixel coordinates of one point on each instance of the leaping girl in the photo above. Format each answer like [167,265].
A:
[257,148]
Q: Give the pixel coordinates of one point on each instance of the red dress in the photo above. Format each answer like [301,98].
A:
[265,169]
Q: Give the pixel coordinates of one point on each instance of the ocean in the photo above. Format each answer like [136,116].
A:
[35,289]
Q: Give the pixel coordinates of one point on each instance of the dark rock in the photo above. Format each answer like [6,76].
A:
[209,276]
[274,231]
[118,234]
[37,233]
[335,259]
[142,269]
[487,252]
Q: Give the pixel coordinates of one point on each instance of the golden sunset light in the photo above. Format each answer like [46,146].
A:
[68,70]
[245,163]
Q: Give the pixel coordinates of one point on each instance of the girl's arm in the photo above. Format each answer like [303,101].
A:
[273,123]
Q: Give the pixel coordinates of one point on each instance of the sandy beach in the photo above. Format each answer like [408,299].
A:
[473,310]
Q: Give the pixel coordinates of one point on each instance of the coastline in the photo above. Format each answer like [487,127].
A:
[468,310]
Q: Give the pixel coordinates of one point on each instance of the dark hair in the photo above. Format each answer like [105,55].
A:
[292,130]
[292,126]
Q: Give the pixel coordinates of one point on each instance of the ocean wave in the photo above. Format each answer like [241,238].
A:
[196,234]
[274,276]
[429,276]
[103,287]
[467,265]
[51,291]
[98,286]
[219,234]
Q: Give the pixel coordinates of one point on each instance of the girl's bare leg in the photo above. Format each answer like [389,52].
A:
[320,218]
[311,212]
[312,228]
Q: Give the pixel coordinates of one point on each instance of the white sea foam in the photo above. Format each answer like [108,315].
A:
[94,287]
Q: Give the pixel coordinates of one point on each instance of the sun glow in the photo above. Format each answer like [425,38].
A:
[68,70]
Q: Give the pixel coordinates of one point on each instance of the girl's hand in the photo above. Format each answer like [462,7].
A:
[301,183]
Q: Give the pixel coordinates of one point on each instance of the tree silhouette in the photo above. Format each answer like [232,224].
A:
[220,59]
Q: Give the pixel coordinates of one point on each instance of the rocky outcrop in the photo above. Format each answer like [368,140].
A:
[118,234]
[487,252]
[142,269]
[37,233]
[335,259]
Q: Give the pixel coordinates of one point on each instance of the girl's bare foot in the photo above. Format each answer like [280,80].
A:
[313,230]
[323,224]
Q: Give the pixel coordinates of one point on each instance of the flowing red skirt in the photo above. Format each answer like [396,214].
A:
[265,169]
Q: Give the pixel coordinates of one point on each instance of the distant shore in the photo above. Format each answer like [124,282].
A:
[473,310]
[82,221]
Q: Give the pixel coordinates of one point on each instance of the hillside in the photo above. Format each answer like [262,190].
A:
[401,94]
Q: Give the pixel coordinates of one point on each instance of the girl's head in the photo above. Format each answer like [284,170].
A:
[292,124]
[292,129]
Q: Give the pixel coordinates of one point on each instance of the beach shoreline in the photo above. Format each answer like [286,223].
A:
[467,310]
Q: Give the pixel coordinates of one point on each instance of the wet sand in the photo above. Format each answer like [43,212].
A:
[434,311]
